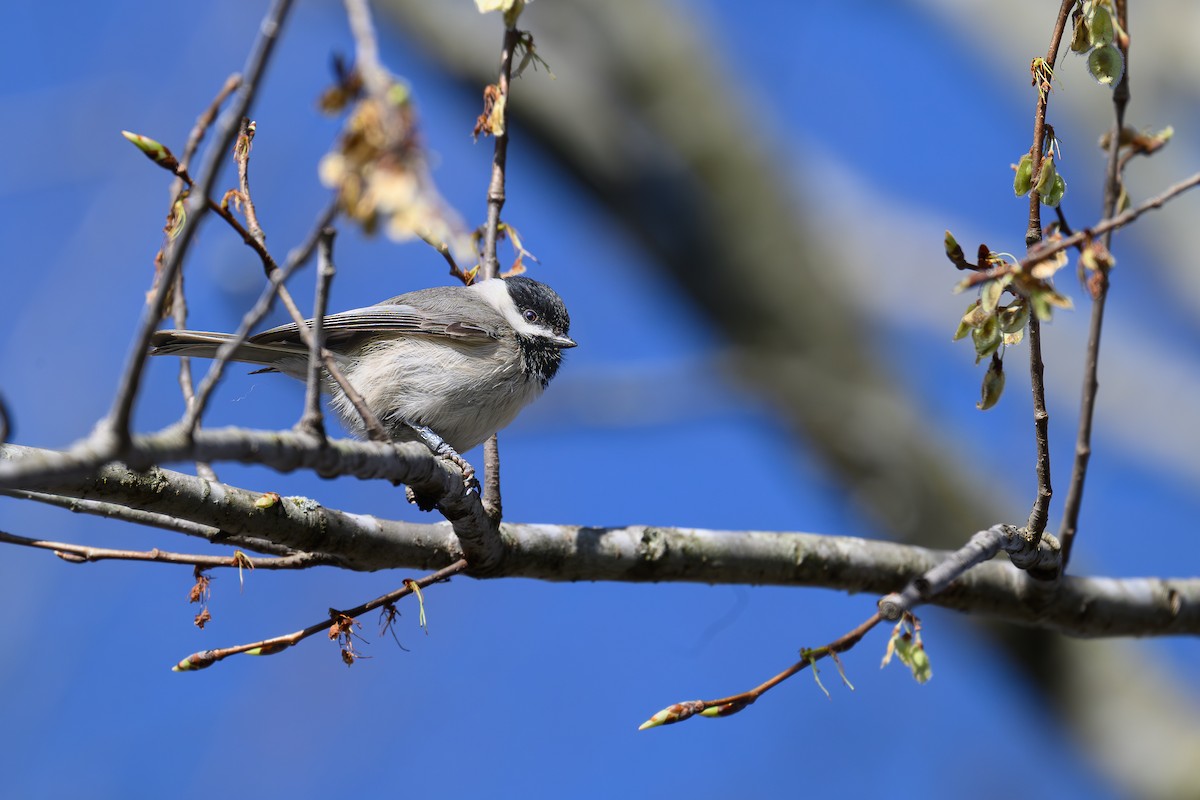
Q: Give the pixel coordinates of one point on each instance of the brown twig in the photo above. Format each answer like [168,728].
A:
[1026,553]
[725,706]
[490,264]
[81,554]
[268,647]
[1040,512]
[312,420]
[204,122]
[113,433]
[444,250]
[1099,287]
[275,286]
[276,279]
[179,310]
[241,150]
[1033,233]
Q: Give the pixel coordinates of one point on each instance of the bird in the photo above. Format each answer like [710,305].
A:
[458,362]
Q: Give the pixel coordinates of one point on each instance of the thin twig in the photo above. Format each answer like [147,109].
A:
[179,309]
[245,139]
[490,265]
[1104,226]
[276,277]
[444,250]
[1040,512]
[275,286]
[113,433]
[268,647]
[203,123]
[1099,286]
[313,421]
[80,554]
[154,519]
[1024,550]
[725,706]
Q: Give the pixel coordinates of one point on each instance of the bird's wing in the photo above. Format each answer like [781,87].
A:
[387,318]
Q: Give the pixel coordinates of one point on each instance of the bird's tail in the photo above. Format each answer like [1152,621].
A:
[204,344]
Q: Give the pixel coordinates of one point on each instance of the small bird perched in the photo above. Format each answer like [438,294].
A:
[459,362]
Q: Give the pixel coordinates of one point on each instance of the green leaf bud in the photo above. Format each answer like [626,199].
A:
[1022,181]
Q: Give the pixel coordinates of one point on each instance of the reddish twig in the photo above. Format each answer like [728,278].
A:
[1038,557]
[337,623]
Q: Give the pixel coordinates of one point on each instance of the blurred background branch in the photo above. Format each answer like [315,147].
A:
[654,125]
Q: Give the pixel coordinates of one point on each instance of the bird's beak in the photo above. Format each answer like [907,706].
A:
[563,342]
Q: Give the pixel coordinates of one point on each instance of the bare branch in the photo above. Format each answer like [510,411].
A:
[1074,605]
[313,421]
[490,264]
[266,299]
[81,554]
[113,433]
[179,310]
[133,511]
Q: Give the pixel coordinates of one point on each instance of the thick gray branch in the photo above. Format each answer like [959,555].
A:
[1077,606]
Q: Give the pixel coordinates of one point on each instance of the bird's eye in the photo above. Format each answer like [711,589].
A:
[530,315]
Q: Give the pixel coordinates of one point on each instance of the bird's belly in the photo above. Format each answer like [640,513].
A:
[464,393]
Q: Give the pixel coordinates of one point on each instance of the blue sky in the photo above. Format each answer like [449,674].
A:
[520,688]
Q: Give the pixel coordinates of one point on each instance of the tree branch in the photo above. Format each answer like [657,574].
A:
[1099,289]
[1076,606]
[129,511]
[407,463]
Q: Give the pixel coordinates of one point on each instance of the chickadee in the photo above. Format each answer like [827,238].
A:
[459,361]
